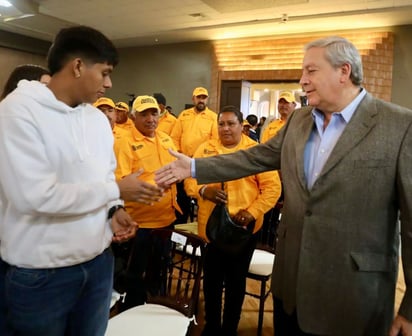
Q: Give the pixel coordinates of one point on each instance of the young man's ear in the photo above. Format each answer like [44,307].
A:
[77,65]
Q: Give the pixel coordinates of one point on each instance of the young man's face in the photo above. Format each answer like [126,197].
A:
[95,80]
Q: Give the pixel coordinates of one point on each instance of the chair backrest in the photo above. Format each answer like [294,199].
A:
[267,235]
[173,279]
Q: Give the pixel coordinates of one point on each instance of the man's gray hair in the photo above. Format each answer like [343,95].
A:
[340,51]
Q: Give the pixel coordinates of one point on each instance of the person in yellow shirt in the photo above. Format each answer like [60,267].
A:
[247,199]
[123,121]
[146,150]
[286,105]
[193,127]
[166,119]
[107,106]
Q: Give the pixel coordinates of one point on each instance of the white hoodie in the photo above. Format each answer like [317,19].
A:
[56,173]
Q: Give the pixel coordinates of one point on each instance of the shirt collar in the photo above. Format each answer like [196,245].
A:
[347,112]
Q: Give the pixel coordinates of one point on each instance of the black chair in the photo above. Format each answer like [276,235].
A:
[260,268]
[173,281]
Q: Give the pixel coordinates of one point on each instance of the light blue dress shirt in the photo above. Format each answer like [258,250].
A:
[322,141]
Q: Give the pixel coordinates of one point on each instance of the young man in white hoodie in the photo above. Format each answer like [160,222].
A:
[61,205]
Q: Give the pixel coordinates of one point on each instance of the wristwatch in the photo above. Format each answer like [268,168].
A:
[113,209]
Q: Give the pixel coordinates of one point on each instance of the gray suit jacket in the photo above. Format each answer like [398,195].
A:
[337,253]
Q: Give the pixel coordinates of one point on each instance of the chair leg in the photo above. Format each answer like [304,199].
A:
[262,300]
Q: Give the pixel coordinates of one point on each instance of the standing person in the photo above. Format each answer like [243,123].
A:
[28,72]
[346,171]
[147,150]
[286,105]
[193,127]
[253,122]
[166,119]
[123,121]
[108,107]
[248,199]
[260,126]
[60,202]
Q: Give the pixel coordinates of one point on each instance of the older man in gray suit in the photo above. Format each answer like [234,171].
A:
[347,171]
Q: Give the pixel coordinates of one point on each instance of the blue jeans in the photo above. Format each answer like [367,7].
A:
[66,301]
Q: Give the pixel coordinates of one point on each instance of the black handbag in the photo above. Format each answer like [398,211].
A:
[222,231]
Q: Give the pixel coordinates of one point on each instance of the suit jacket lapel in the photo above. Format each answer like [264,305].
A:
[302,134]
[362,121]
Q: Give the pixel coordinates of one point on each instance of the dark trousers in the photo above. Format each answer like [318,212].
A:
[285,324]
[147,254]
[184,203]
[228,272]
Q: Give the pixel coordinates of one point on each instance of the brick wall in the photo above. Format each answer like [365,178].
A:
[280,59]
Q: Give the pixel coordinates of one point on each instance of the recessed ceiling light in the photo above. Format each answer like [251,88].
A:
[5,3]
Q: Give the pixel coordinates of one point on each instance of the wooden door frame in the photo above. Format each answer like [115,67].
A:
[254,75]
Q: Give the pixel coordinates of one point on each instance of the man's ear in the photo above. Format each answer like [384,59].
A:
[346,70]
[77,66]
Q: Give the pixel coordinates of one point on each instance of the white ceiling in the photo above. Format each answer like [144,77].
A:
[147,22]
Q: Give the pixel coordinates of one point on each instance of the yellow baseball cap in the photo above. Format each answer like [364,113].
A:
[142,103]
[104,101]
[200,91]
[122,106]
[288,96]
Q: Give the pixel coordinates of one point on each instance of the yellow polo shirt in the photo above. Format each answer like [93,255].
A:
[192,129]
[128,125]
[150,154]
[166,123]
[118,135]
[271,129]
[256,194]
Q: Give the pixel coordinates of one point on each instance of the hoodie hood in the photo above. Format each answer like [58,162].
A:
[47,101]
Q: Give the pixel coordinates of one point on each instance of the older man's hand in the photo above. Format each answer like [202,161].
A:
[174,172]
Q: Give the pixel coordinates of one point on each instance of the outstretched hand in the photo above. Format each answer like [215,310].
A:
[174,172]
[135,190]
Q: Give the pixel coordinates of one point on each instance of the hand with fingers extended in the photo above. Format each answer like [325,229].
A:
[123,226]
[135,190]
[174,172]
[243,217]
[214,194]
